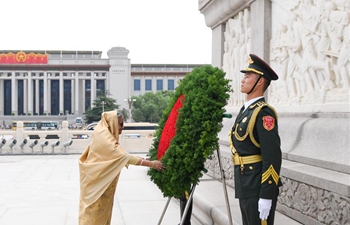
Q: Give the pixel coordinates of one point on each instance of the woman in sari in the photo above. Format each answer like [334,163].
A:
[100,165]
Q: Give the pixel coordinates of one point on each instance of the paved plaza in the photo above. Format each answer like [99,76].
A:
[44,189]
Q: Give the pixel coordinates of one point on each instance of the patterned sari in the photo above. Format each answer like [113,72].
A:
[100,165]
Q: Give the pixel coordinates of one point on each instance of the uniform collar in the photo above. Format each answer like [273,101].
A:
[251,101]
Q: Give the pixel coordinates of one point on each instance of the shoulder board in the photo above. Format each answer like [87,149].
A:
[258,104]
[263,104]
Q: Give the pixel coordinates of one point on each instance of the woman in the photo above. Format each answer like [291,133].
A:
[100,166]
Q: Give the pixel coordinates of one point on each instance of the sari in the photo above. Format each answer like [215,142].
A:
[100,165]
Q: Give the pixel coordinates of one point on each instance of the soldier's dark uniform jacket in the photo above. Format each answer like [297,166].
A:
[256,153]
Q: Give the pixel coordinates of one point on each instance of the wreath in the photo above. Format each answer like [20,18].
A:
[187,131]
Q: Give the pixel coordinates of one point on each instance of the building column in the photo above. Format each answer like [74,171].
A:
[92,89]
[154,83]
[1,99]
[30,94]
[165,83]
[261,28]
[72,95]
[45,93]
[14,94]
[25,96]
[83,97]
[218,40]
[143,85]
[37,94]
[76,107]
[61,94]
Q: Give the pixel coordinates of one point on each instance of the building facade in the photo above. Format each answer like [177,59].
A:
[68,82]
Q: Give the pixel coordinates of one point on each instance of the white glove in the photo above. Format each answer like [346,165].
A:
[264,206]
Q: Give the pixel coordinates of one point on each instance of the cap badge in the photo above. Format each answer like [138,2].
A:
[250,60]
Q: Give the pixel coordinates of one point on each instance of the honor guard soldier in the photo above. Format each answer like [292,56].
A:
[255,146]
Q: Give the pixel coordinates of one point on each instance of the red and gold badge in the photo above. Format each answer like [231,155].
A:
[268,122]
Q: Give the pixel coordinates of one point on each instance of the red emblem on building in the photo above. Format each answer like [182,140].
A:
[268,122]
[23,58]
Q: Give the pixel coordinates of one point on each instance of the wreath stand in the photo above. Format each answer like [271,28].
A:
[191,197]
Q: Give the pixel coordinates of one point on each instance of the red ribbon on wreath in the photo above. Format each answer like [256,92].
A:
[169,130]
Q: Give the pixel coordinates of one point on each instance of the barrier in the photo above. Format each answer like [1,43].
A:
[13,143]
[33,144]
[67,144]
[43,145]
[2,143]
[54,144]
[24,142]
[71,141]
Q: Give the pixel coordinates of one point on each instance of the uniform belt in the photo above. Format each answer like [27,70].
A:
[242,160]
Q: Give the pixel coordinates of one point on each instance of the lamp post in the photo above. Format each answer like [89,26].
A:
[130,101]
[103,106]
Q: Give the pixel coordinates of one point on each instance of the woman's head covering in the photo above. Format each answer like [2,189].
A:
[102,160]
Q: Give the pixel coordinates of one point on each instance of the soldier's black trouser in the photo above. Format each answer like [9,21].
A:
[250,213]
[183,202]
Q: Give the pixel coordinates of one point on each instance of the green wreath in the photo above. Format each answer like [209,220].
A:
[187,132]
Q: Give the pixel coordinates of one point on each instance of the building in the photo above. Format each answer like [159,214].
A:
[68,82]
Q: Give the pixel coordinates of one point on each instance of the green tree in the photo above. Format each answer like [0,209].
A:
[150,106]
[100,104]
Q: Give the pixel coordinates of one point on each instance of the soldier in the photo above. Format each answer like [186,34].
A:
[255,146]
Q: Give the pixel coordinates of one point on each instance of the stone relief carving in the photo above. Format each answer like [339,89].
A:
[212,164]
[310,52]
[236,50]
[321,205]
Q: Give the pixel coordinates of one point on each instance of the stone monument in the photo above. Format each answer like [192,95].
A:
[307,42]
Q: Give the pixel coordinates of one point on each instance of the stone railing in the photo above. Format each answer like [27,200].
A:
[65,141]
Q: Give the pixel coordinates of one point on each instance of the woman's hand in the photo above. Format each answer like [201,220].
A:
[158,165]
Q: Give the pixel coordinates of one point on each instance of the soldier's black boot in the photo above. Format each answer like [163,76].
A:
[183,202]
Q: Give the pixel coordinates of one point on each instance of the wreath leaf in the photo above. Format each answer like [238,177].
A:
[198,122]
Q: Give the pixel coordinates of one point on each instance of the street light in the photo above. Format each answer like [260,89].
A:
[103,106]
[130,101]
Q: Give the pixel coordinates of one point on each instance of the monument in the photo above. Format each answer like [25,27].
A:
[307,42]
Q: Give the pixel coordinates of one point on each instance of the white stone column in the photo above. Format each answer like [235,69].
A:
[1,99]
[76,107]
[83,97]
[154,83]
[30,94]
[61,94]
[14,94]
[218,40]
[92,89]
[165,83]
[143,85]
[25,96]
[37,94]
[261,28]
[49,95]
[45,93]
[72,95]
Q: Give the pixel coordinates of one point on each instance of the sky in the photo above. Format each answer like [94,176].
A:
[154,31]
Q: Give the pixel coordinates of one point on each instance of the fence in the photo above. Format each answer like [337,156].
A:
[65,141]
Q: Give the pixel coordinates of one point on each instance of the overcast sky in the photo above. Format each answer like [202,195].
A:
[154,31]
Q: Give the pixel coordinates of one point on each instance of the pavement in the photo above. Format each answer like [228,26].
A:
[44,190]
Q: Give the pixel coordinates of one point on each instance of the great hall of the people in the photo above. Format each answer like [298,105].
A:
[68,82]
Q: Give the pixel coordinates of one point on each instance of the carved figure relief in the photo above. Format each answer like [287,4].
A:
[310,51]
[236,46]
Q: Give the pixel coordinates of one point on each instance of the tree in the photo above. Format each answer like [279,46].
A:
[150,106]
[101,103]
